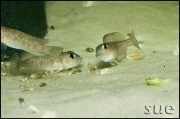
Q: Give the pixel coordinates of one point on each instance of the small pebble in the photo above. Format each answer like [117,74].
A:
[21,100]
[43,84]
[89,49]
[52,27]
[154,52]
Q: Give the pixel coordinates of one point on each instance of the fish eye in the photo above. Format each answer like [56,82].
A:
[71,55]
[104,46]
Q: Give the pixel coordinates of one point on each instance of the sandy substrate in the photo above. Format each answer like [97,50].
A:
[119,92]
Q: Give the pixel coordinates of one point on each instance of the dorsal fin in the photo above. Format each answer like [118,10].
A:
[54,51]
[38,53]
[26,55]
[113,37]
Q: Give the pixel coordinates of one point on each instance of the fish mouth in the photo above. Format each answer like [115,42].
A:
[98,55]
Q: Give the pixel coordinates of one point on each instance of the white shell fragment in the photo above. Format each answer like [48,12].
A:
[176,51]
[32,109]
[104,71]
[74,70]
[141,44]
[136,55]
[87,3]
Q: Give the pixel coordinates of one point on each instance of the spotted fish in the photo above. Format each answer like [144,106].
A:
[20,40]
[29,63]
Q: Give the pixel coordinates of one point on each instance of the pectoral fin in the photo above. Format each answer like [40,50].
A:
[114,62]
[120,57]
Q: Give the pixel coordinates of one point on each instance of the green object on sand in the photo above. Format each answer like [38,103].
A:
[155,81]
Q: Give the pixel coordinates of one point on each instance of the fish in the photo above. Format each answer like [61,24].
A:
[114,47]
[20,40]
[29,63]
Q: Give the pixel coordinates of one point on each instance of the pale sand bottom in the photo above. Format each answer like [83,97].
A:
[120,92]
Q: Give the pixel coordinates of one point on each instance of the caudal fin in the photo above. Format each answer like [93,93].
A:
[14,64]
[135,42]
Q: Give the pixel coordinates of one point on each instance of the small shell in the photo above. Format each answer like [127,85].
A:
[74,70]
[27,89]
[91,68]
[104,71]
[89,49]
[25,79]
[141,44]
[137,55]
[43,84]
[49,72]
[34,76]
[21,100]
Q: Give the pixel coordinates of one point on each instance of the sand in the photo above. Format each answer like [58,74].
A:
[120,90]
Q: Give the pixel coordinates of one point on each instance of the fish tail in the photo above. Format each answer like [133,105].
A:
[14,64]
[135,42]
